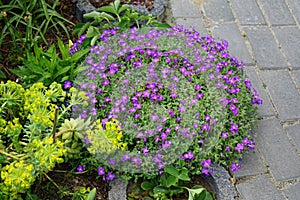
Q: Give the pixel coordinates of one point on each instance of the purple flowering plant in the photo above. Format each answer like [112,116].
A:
[181,100]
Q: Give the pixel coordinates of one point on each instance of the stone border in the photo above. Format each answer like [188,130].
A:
[219,181]
[84,6]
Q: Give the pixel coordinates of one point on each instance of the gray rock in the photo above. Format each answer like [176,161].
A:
[118,189]
[223,186]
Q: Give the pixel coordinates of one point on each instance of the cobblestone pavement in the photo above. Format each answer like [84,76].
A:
[265,34]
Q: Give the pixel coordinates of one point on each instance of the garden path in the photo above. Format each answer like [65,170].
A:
[265,34]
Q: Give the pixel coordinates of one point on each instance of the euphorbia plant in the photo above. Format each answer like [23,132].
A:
[29,142]
[178,96]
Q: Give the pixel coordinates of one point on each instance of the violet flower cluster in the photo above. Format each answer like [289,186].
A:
[179,96]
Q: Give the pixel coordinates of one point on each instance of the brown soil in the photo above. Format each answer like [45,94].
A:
[68,185]
[147,3]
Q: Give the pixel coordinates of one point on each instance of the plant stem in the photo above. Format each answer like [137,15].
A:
[55,122]
[9,155]
[64,171]
[51,180]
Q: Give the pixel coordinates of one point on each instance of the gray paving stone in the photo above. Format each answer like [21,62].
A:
[289,39]
[277,12]
[248,12]
[297,76]
[277,151]
[236,42]
[295,7]
[190,10]
[294,132]
[293,192]
[283,94]
[259,188]
[266,109]
[265,49]
[197,23]
[251,165]
[218,10]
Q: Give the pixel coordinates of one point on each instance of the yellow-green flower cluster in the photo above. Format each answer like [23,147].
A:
[16,178]
[106,140]
[10,128]
[11,98]
[38,105]
[45,153]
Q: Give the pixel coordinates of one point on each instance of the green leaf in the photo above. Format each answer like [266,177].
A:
[171,170]
[123,7]
[196,190]
[94,40]
[146,185]
[160,189]
[183,177]
[163,180]
[79,54]
[92,31]
[63,49]
[82,29]
[172,180]
[204,195]
[109,9]
[176,190]
[107,16]
[2,75]
[91,195]
[92,15]
[64,70]
[116,4]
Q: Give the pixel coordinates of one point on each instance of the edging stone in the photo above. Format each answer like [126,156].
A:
[84,6]
[219,181]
